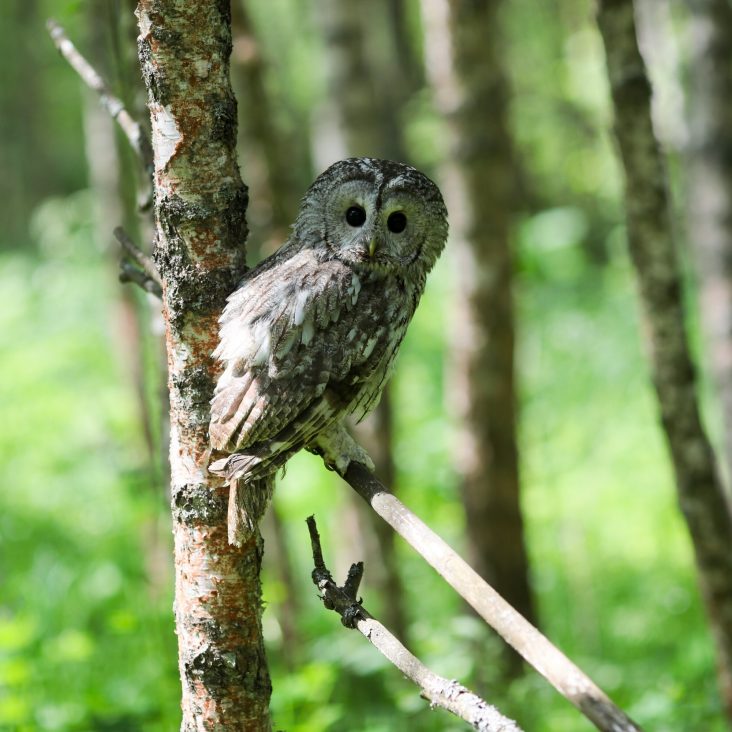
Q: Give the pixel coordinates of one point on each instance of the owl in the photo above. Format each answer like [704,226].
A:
[311,333]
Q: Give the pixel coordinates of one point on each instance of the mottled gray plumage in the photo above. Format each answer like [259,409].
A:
[311,334]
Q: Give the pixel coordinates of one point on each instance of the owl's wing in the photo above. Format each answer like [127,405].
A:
[286,334]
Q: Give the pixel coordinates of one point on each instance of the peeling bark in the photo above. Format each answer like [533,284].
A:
[200,207]
[463,63]
[650,240]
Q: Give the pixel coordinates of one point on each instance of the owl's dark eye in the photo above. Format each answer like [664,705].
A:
[397,222]
[355,216]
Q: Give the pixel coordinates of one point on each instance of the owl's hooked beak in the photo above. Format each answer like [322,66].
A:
[370,244]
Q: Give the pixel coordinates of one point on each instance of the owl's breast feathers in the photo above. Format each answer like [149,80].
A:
[304,342]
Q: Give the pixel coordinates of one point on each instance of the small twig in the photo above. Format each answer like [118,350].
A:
[437,690]
[130,273]
[547,659]
[138,256]
[147,276]
[132,129]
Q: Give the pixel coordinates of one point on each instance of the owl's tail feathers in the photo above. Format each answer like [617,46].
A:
[249,495]
[247,505]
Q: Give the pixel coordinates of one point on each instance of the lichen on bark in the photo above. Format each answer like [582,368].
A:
[200,213]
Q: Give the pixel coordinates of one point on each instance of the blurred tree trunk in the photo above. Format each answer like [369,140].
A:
[709,212]
[650,240]
[114,196]
[463,62]
[114,172]
[263,144]
[405,58]
[22,139]
[200,206]
[361,118]
[140,223]
[270,173]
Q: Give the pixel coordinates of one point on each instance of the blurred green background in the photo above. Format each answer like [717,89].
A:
[86,628]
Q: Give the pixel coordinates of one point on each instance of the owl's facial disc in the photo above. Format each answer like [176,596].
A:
[374,226]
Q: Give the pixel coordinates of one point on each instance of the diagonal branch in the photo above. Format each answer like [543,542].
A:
[147,275]
[129,273]
[132,129]
[138,256]
[547,659]
[437,690]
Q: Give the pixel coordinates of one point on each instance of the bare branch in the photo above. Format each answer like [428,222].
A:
[437,690]
[130,273]
[147,276]
[138,256]
[132,129]
[536,649]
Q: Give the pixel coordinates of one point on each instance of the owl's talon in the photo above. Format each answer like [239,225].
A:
[338,450]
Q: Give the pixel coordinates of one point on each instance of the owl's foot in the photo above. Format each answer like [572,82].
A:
[339,450]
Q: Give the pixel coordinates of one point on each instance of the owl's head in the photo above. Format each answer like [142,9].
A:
[376,216]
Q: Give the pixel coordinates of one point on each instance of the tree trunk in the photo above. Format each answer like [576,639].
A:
[651,246]
[200,206]
[360,120]
[709,209]
[464,66]
[269,165]
[267,149]
[24,139]
[114,173]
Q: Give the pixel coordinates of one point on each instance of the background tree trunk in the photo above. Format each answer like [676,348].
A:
[114,175]
[463,62]
[360,120]
[709,201]
[24,139]
[273,160]
[651,246]
[200,206]
[267,156]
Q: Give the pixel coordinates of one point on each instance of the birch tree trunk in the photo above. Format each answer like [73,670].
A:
[463,63]
[200,206]
[709,213]
[651,246]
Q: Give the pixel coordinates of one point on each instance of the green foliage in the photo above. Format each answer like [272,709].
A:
[86,629]
[86,634]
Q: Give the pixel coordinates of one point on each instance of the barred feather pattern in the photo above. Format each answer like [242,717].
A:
[311,334]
